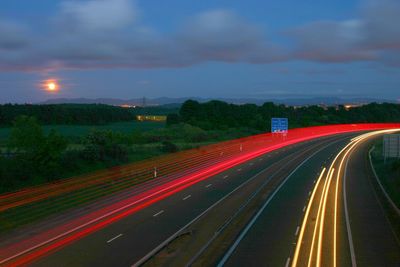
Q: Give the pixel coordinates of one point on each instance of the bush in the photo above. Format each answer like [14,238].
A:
[168,147]
[396,165]
[104,146]
[173,119]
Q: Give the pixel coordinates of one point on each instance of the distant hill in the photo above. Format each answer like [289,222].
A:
[175,102]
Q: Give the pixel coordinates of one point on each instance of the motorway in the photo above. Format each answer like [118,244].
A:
[128,240]
[256,214]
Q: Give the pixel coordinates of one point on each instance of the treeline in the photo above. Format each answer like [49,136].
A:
[157,110]
[78,114]
[221,115]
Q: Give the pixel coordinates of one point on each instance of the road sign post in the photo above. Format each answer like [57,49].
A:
[391,146]
[279,125]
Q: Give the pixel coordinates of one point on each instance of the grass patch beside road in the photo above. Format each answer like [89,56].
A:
[388,172]
[74,132]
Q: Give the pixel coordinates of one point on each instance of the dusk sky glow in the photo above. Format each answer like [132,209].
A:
[211,48]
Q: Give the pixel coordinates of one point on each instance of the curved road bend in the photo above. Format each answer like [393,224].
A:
[372,241]
[375,241]
[271,240]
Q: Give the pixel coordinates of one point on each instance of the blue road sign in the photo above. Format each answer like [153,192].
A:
[279,125]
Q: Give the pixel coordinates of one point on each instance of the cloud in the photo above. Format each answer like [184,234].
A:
[330,41]
[219,35]
[371,37]
[108,34]
[382,22]
[97,15]
[15,46]
[12,36]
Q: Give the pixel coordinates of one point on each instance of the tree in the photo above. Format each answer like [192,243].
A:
[89,114]
[49,155]
[103,146]
[26,135]
[169,147]
[173,119]
[189,110]
[37,155]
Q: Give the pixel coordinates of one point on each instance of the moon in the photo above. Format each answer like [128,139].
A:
[51,86]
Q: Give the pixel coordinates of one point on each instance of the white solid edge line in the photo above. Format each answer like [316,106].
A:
[346,213]
[396,209]
[260,211]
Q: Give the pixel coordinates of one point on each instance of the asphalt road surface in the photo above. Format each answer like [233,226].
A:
[375,242]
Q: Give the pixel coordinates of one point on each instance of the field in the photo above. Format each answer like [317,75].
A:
[75,131]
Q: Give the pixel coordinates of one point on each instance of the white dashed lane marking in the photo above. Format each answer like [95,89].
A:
[112,239]
[158,213]
[297,231]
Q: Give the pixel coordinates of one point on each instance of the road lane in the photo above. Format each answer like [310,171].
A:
[375,243]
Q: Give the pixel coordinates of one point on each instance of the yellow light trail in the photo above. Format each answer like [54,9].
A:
[303,226]
[320,220]
[319,207]
[316,222]
[335,217]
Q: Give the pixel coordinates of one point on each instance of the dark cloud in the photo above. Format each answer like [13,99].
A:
[97,15]
[330,41]
[222,35]
[373,36]
[109,33]
[382,20]
[12,36]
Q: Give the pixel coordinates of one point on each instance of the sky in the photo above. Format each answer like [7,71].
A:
[210,48]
